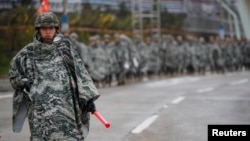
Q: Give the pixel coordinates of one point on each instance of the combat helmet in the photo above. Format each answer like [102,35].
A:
[47,19]
[73,35]
[106,36]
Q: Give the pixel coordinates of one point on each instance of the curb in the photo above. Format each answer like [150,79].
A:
[5,85]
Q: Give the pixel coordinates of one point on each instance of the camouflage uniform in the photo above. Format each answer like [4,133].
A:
[133,56]
[215,55]
[98,60]
[141,49]
[154,61]
[56,102]
[121,53]
[191,61]
[239,55]
[229,58]
[81,48]
[182,56]
[246,55]
[170,55]
[202,55]
[222,59]
[108,47]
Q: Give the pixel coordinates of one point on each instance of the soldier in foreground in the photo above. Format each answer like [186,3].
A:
[49,77]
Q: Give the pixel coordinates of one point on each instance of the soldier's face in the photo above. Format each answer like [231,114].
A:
[47,32]
[106,40]
[117,39]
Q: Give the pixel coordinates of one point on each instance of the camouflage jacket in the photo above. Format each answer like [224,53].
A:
[81,87]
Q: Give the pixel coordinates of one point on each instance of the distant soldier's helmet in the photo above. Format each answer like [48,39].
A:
[106,36]
[73,36]
[47,19]
[138,36]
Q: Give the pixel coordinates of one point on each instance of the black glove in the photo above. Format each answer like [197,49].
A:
[91,106]
[27,85]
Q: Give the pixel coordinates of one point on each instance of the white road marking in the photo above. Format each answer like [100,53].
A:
[239,82]
[165,106]
[6,96]
[171,82]
[205,90]
[145,124]
[178,100]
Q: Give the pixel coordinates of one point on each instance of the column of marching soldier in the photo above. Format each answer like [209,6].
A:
[122,60]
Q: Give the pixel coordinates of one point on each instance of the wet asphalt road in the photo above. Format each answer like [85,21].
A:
[168,109]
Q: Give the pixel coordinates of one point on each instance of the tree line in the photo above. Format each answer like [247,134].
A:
[17,26]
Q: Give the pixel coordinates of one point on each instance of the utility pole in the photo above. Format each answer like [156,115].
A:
[235,18]
[138,14]
[230,21]
[137,19]
[65,19]
[156,18]
[222,24]
[64,4]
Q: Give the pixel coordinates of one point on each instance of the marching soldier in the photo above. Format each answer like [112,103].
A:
[52,86]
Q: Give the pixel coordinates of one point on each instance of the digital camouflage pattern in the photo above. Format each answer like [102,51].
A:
[170,55]
[47,19]
[143,54]
[61,88]
[121,64]
[154,62]
[98,59]
[81,48]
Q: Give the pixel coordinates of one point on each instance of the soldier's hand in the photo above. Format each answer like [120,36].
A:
[27,85]
[91,106]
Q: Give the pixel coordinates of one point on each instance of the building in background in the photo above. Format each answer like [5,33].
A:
[57,5]
[173,6]
[209,16]
[202,16]
[9,4]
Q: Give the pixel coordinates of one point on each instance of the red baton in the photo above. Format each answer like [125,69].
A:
[103,121]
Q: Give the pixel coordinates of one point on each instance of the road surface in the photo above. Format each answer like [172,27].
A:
[169,109]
